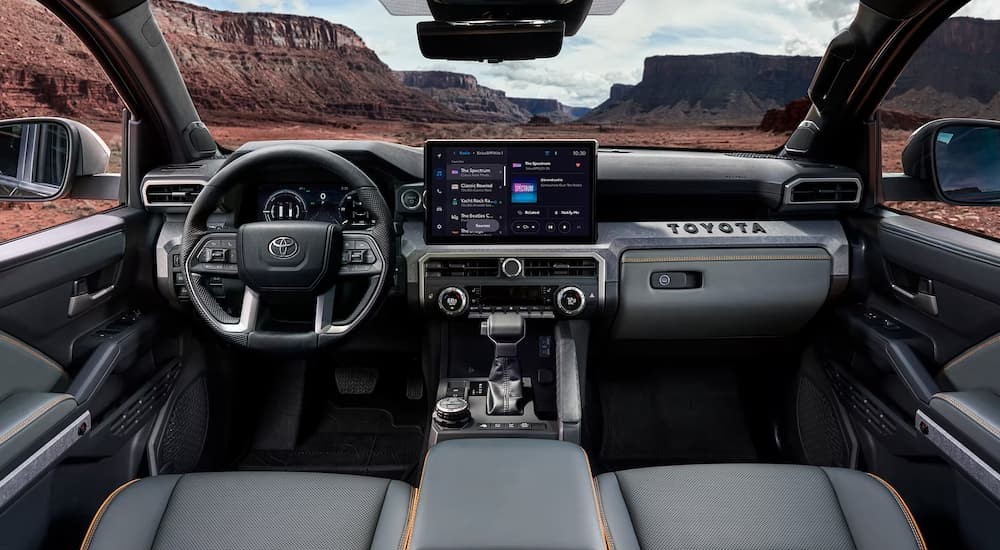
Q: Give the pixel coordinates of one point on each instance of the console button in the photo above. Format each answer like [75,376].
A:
[674,279]
[570,301]
[453,301]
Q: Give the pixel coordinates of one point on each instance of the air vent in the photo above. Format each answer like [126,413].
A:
[462,267]
[824,191]
[170,193]
[178,167]
[560,267]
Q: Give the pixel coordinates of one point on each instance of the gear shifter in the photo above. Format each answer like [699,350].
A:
[506,393]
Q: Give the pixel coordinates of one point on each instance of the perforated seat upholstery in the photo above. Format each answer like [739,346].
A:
[253,510]
[754,506]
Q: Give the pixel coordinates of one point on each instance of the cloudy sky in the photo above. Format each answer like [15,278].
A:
[608,49]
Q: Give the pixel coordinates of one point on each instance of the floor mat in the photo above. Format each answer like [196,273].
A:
[674,416]
[351,441]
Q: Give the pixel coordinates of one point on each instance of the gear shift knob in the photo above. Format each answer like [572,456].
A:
[506,330]
[506,390]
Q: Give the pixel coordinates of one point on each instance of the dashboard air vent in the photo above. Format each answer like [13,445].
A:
[171,194]
[824,191]
[462,267]
[560,267]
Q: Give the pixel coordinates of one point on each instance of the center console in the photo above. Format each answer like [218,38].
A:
[507,369]
[539,493]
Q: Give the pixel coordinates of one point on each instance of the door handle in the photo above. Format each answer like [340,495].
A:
[82,302]
[923,298]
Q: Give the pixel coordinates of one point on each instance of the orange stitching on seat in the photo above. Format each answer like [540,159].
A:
[35,415]
[606,535]
[88,538]
[917,535]
[412,516]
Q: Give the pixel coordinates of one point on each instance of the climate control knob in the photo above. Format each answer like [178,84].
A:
[453,301]
[512,267]
[570,301]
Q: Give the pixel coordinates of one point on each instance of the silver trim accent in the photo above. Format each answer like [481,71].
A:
[787,198]
[520,268]
[371,298]
[151,182]
[573,312]
[36,464]
[963,458]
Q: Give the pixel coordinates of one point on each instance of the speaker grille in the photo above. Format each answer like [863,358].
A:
[185,429]
[819,426]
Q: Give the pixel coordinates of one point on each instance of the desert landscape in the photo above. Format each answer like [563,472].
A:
[240,63]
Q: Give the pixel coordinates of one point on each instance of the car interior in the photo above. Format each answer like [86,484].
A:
[501,344]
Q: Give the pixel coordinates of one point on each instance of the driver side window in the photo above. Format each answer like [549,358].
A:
[45,71]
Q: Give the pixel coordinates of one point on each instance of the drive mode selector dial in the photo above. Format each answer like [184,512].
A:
[452,412]
[570,300]
[453,301]
[512,267]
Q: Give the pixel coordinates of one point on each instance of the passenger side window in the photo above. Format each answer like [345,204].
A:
[954,74]
[45,71]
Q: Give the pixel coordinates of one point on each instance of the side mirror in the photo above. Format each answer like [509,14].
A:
[961,157]
[41,157]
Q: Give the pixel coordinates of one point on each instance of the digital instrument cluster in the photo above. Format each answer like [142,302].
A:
[323,203]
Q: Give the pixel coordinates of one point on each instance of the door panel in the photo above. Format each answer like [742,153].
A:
[78,321]
[928,296]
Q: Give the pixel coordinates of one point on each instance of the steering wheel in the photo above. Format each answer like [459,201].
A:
[287,259]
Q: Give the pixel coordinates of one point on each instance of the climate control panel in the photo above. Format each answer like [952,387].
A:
[543,287]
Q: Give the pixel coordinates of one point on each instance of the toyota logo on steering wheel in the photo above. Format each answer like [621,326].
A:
[283,248]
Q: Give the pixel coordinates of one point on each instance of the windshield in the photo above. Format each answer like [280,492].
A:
[726,75]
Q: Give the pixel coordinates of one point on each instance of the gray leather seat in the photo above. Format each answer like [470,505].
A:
[754,506]
[253,510]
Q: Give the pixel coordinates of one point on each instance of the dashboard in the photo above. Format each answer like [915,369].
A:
[665,244]
[311,202]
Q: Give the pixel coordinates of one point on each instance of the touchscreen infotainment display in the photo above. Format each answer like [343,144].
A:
[510,191]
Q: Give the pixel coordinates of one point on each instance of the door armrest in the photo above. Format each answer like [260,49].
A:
[973,417]
[26,420]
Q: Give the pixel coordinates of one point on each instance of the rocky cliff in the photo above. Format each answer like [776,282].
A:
[954,74]
[45,70]
[279,67]
[463,94]
[728,87]
[284,67]
[551,109]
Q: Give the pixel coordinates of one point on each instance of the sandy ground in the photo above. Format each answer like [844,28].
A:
[20,219]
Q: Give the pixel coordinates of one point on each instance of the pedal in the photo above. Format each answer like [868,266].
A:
[414,388]
[355,380]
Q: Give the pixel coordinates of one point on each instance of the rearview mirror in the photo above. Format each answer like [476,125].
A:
[961,157]
[491,41]
[40,157]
